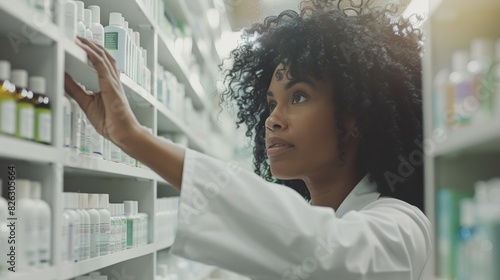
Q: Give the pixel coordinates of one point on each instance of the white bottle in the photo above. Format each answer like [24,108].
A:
[115,153]
[105,224]
[66,122]
[124,230]
[93,204]
[129,49]
[133,55]
[44,217]
[85,227]
[80,26]
[4,233]
[113,228]
[87,20]
[96,27]
[76,125]
[85,132]
[139,62]
[115,40]
[73,230]
[483,57]
[70,19]
[96,143]
[27,227]
[131,223]
[462,85]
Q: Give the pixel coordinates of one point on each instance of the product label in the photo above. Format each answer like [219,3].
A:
[84,241]
[67,127]
[43,128]
[111,41]
[26,123]
[98,38]
[130,233]
[8,116]
[104,238]
[84,140]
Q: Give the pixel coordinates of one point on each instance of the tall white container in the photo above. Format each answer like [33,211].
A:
[115,40]
[27,222]
[85,226]
[93,204]
[96,27]
[105,224]
[74,225]
[44,222]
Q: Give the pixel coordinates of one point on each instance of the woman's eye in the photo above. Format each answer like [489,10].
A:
[271,106]
[298,98]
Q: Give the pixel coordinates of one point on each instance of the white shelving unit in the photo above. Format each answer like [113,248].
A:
[457,158]
[30,41]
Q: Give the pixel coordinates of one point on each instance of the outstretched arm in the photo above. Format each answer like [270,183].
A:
[111,115]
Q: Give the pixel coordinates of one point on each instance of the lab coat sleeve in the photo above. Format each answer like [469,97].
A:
[235,220]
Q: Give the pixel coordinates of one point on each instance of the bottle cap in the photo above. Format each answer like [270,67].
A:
[37,84]
[83,201]
[115,19]
[87,18]
[20,78]
[36,190]
[93,201]
[129,207]
[23,188]
[4,70]
[103,201]
[125,25]
[121,209]
[96,13]
[94,274]
[136,207]
[137,38]
[80,7]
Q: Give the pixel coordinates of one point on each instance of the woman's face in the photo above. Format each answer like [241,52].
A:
[301,135]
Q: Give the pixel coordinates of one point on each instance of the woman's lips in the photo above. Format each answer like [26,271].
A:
[278,150]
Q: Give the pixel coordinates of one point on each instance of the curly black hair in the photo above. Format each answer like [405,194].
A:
[373,57]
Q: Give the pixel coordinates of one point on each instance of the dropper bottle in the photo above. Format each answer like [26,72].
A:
[43,112]
[25,108]
[8,105]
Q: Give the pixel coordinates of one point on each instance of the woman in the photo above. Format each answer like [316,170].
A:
[333,103]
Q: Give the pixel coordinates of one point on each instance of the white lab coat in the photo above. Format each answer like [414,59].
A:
[233,219]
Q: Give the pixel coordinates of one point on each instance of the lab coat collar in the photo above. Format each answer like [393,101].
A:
[364,193]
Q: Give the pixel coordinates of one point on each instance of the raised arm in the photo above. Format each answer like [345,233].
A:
[109,112]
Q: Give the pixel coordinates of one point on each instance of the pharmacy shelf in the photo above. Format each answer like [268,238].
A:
[20,149]
[472,139]
[172,61]
[49,273]
[87,165]
[24,23]
[68,271]
[164,244]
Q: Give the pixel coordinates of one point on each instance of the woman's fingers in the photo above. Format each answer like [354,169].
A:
[104,54]
[97,61]
[76,92]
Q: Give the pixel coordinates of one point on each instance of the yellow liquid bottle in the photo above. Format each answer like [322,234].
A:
[8,105]
[43,112]
[25,127]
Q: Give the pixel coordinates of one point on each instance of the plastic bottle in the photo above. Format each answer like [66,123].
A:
[115,153]
[85,227]
[113,228]
[465,101]
[70,19]
[73,230]
[124,226]
[87,20]
[133,55]
[131,223]
[44,6]
[4,233]
[25,127]
[76,125]
[27,227]
[95,221]
[43,112]
[105,224]
[44,217]
[8,105]
[137,225]
[80,26]
[96,27]
[481,70]
[129,48]
[96,143]
[443,110]
[66,122]
[115,40]
[85,132]
[139,60]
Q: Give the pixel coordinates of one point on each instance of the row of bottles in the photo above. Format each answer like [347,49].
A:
[95,275]
[166,218]
[28,237]
[468,232]
[25,109]
[122,42]
[80,136]
[469,93]
[93,227]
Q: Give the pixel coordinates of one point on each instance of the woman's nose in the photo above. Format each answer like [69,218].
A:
[275,121]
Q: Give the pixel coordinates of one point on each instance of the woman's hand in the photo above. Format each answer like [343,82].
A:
[108,110]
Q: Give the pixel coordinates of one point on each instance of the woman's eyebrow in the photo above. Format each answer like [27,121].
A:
[296,81]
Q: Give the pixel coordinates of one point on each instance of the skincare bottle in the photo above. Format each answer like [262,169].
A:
[93,204]
[70,19]
[8,105]
[105,224]
[80,26]
[96,27]
[27,227]
[115,40]
[25,127]
[44,222]
[43,112]
[87,20]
